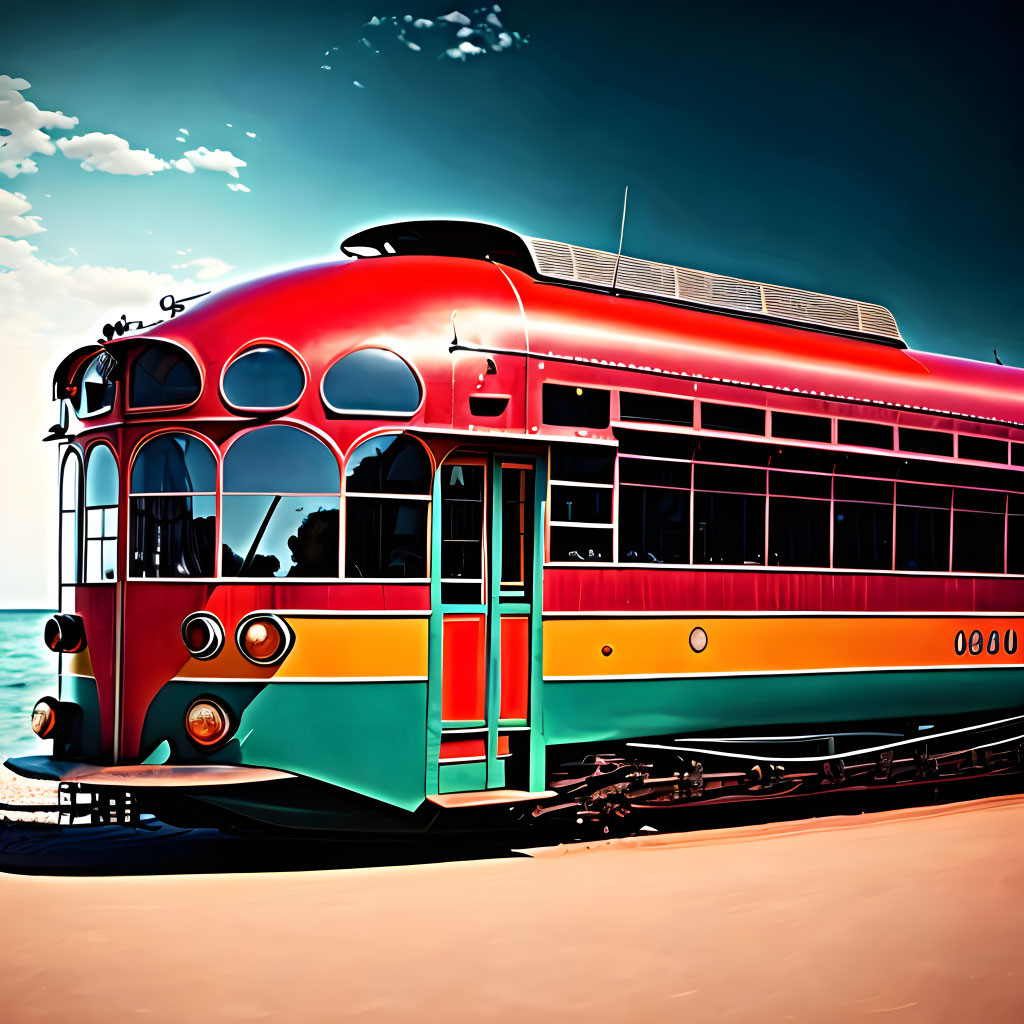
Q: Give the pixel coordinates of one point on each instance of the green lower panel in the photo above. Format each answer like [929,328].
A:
[462,778]
[368,738]
[620,709]
[81,690]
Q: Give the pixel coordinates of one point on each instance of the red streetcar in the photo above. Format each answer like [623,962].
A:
[472,518]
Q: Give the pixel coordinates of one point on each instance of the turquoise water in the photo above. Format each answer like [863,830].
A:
[28,671]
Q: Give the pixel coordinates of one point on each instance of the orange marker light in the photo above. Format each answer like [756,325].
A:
[262,640]
[206,722]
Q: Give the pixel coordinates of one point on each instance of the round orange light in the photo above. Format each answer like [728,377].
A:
[262,640]
[206,722]
[44,718]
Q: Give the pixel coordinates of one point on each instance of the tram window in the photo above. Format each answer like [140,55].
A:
[737,419]
[101,500]
[95,387]
[462,534]
[981,449]
[922,527]
[927,442]
[162,375]
[280,459]
[977,541]
[577,544]
[264,377]
[566,406]
[655,408]
[516,530]
[729,478]
[654,524]
[172,508]
[862,534]
[862,434]
[385,538]
[582,463]
[389,463]
[800,485]
[654,472]
[280,505]
[728,529]
[797,531]
[859,489]
[739,453]
[387,482]
[801,428]
[1017,453]
[661,445]
[69,505]
[580,504]
[1015,535]
[371,381]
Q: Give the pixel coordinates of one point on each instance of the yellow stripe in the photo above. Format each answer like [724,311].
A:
[572,647]
[356,647]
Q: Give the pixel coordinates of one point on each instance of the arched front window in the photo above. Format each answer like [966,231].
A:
[94,388]
[371,382]
[280,505]
[264,377]
[70,499]
[387,487]
[101,490]
[173,508]
[163,375]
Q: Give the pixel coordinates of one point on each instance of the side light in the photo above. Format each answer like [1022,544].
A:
[207,722]
[44,717]
[64,634]
[203,635]
[264,639]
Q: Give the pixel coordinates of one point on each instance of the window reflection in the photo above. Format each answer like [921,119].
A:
[101,487]
[70,497]
[388,490]
[172,508]
[264,377]
[280,505]
[162,374]
[374,381]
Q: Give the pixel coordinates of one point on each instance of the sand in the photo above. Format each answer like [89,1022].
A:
[908,916]
[15,790]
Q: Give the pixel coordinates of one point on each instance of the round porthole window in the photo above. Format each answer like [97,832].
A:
[263,378]
[698,640]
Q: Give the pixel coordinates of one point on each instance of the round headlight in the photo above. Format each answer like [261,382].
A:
[64,633]
[264,639]
[44,718]
[203,635]
[206,722]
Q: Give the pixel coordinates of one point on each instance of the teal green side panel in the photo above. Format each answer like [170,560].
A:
[81,690]
[364,737]
[462,778]
[579,712]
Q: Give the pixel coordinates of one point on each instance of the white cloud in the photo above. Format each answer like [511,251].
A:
[184,165]
[238,187]
[25,121]
[13,207]
[215,160]
[209,267]
[100,151]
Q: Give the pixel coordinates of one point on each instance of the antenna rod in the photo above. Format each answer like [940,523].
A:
[622,231]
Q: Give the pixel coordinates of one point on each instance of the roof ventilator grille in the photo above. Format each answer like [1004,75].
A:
[566,262]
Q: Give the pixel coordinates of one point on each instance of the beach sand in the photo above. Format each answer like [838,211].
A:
[909,916]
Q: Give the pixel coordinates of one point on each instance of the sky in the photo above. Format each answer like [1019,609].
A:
[867,150]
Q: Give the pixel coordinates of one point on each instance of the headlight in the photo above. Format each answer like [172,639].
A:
[203,635]
[207,722]
[264,639]
[44,717]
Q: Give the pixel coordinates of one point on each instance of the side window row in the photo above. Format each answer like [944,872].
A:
[570,406]
[675,501]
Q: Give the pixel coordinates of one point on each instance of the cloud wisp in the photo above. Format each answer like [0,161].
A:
[13,222]
[22,137]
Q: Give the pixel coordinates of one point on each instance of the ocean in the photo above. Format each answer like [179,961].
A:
[28,671]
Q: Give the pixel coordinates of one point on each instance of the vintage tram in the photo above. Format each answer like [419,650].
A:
[418,528]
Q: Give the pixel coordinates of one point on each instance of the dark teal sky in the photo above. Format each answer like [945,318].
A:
[869,150]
